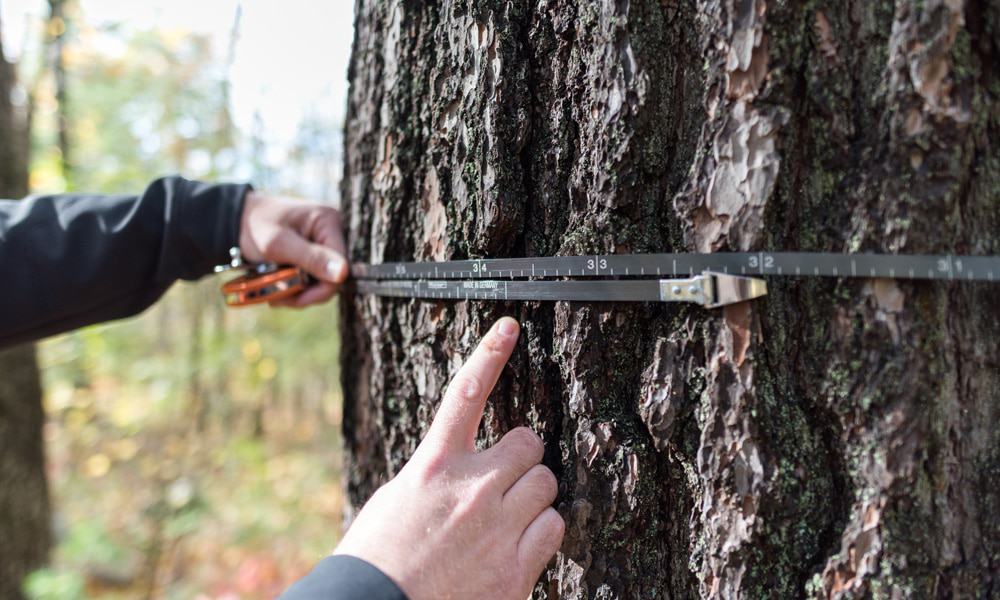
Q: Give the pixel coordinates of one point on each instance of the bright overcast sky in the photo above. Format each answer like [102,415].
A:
[291,58]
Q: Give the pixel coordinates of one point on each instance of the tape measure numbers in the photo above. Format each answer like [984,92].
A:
[712,279]
[893,266]
[708,289]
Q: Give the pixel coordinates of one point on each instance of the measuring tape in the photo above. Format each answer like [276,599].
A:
[710,280]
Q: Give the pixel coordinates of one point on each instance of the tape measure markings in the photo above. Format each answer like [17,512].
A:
[713,280]
[634,290]
[947,267]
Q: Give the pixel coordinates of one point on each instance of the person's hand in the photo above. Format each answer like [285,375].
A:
[293,232]
[459,524]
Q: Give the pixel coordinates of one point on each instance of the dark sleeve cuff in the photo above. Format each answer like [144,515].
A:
[342,577]
[203,223]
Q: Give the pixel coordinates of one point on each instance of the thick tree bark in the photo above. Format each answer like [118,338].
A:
[24,501]
[836,438]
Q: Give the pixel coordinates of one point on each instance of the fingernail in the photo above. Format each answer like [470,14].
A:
[334,266]
[507,327]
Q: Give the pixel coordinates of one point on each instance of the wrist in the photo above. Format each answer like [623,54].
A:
[244,240]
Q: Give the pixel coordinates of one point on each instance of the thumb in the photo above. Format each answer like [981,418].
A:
[325,264]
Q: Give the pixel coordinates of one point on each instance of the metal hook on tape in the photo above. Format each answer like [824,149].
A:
[712,290]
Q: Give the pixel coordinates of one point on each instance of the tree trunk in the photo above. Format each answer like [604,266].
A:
[837,438]
[56,46]
[24,501]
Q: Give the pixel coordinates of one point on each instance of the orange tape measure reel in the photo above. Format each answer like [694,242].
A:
[265,283]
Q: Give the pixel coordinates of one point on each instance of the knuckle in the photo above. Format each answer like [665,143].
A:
[557,528]
[548,485]
[465,388]
[270,244]
[311,214]
[430,461]
[493,344]
[527,440]
[474,499]
[555,525]
[481,491]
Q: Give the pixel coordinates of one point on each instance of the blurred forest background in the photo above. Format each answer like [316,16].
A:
[192,452]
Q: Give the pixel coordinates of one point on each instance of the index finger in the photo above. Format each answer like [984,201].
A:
[457,420]
[322,262]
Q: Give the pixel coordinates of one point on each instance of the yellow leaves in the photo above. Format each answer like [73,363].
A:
[46,176]
[76,58]
[267,369]
[86,131]
[77,418]
[125,414]
[125,449]
[252,350]
[56,27]
[97,465]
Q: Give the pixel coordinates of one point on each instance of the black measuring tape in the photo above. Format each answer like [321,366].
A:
[708,279]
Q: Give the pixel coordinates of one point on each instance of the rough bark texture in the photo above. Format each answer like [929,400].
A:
[837,438]
[24,504]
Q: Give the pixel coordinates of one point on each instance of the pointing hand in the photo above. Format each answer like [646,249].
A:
[455,523]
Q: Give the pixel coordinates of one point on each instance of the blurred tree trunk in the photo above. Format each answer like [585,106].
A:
[57,26]
[199,402]
[24,501]
[836,438]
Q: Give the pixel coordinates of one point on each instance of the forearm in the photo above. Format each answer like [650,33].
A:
[70,261]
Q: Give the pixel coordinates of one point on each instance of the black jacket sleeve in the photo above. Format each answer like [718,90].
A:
[342,577]
[72,260]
